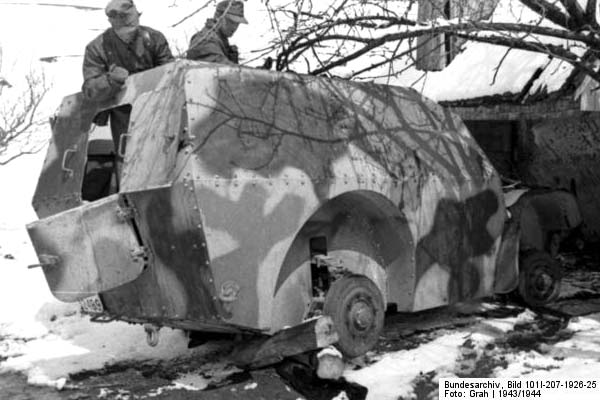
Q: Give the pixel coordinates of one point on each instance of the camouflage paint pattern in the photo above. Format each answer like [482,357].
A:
[230,171]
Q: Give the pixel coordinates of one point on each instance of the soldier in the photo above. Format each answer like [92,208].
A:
[212,42]
[125,48]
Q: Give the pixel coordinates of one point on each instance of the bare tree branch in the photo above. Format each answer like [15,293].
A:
[497,69]
[590,14]
[575,11]
[551,12]
[190,15]
[372,43]
[19,115]
[328,37]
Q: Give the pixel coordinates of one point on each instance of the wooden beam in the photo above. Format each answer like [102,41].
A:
[556,108]
[311,335]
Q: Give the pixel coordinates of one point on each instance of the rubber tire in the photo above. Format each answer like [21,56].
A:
[339,300]
[529,265]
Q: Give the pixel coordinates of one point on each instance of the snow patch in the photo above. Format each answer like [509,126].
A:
[391,377]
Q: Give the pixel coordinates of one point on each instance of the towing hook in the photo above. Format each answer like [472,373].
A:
[151,334]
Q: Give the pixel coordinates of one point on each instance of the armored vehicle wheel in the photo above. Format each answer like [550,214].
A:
[539,279]
[356,307]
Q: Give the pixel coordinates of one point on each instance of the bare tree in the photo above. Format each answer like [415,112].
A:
[318,38]
[19,116]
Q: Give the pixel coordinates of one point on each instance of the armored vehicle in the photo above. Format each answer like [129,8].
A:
[251,201]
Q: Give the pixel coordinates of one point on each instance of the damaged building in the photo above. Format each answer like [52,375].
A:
[535,116]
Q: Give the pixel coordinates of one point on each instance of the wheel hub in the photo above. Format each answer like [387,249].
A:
[361,315]
[541,282]
[539,278]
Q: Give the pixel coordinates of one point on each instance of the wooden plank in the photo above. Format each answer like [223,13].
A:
[431,47]
[311,335]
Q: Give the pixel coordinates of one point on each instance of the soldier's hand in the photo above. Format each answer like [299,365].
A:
[118,75]
[268,63]
[234,53]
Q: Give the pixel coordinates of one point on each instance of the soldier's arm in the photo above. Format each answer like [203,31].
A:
[163,53]
[207,49]
[96,83]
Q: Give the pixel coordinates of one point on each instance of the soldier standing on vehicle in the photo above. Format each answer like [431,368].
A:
[212,42]
[125,48]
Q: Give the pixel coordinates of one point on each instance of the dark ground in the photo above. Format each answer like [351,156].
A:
[292,380]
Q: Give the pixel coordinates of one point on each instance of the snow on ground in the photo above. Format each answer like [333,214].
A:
[393,375]
[471,351]
[577,357]
[40,336]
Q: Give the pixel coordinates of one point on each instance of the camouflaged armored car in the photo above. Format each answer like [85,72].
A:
[252,201]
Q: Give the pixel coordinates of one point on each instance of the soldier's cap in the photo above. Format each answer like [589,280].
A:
[234,10]
[120,8]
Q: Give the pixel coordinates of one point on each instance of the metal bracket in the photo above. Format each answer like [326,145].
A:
[229,294]
[229,291]
[335,266]
[46,260]
[315,309]
[125,213]
[152,337]
[335,270]
[139,254]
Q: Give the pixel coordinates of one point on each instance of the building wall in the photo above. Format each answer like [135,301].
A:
[560,153]
[565,153]
[499,141]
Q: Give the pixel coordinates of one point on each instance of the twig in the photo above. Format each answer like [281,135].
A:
[497,69]
[189,16]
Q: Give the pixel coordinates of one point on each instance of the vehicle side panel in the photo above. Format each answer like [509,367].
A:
[326,138]
[250,224]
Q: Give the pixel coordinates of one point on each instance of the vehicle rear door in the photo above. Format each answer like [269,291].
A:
[59,185]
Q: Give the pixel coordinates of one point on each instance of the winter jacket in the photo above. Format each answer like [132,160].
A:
[149,49]
[211,45]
